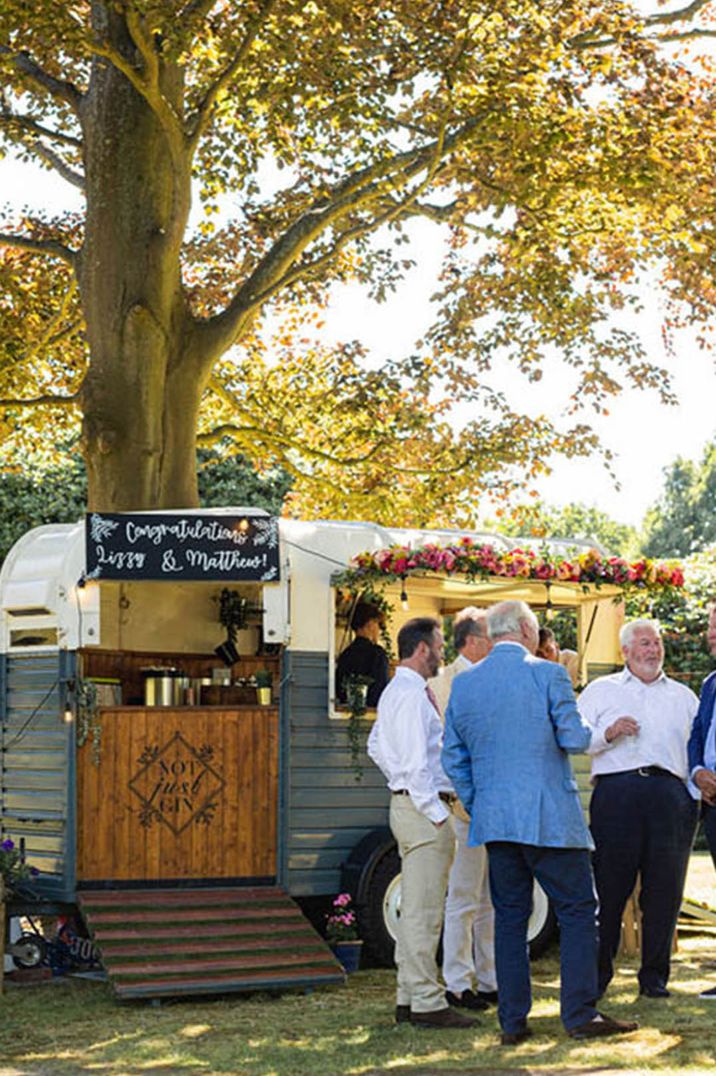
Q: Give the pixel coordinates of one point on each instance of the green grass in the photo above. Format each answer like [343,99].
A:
[70,1027]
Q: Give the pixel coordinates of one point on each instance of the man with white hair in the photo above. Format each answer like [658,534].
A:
[642,814]
[511,722]
[469,929]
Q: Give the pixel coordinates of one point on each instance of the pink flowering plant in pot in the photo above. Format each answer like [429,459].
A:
[341,924]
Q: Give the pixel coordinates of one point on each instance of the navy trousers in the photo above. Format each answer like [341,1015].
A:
[642,825]
[565,875]
[709,817]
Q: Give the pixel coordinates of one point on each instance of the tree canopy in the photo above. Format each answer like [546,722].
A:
[580,522]
[557,142]
[683,521]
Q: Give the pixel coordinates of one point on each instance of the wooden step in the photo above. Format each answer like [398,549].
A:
[164,942]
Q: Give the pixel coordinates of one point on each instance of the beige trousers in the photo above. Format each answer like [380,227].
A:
[426,852]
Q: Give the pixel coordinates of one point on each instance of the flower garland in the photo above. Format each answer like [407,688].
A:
[477,560]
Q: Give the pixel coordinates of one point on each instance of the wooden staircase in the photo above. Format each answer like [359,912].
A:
[166,942]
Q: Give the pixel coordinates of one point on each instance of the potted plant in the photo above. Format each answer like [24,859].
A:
[264,683]
[356,688]
[342,933]
[233,615]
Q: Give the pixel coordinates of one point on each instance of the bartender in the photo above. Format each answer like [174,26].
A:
[364,656]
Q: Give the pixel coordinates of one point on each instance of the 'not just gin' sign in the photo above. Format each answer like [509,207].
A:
[191,547]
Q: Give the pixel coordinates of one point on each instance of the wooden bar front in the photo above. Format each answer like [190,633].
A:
[179,793]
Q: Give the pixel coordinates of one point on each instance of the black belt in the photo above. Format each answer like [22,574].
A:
[446,797]
[641,771]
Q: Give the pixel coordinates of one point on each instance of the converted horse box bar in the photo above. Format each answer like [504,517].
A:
[229,797]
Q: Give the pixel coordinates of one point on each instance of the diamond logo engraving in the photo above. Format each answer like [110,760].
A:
[177,784]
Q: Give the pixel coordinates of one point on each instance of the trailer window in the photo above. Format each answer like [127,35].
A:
[33,637]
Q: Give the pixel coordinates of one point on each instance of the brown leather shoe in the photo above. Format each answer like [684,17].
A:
[602,1025]
[467,1000]
[402,1014]
[446,1017]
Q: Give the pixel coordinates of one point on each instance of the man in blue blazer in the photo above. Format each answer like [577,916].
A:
[511,722]
[702,753]
[702,744]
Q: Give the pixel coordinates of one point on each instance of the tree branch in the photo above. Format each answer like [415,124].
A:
[683,35]
[27,123]
[40,401]
[51,247]
[58,88]
[351,193]
[198,122]
[395,209]
[587,40]
[260,433]
[56,162]
[678,15]
[199,8]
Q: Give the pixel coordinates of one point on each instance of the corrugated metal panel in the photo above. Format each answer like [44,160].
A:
[327,810]
[37,794]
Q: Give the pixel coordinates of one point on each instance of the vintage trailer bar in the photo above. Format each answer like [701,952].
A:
[224,795]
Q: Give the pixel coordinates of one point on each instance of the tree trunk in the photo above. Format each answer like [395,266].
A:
[141,395]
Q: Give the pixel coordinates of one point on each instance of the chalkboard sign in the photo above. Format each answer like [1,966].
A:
[149,546]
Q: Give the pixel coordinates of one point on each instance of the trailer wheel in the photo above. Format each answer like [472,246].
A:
[381,912]
[542,925]
[380,909]
[28,951]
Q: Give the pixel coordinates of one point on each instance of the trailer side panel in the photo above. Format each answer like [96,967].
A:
[37,797]
[327,810]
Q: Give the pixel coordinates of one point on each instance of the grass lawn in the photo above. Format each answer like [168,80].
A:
[70,1027]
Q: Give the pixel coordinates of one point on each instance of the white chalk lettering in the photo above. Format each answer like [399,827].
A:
[120,559]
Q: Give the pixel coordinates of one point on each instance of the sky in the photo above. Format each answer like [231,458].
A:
[645,435]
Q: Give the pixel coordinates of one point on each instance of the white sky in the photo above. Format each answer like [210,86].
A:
[646,435]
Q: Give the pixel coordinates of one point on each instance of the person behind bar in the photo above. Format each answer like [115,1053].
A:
[405,744]
[364,656]
[642,814]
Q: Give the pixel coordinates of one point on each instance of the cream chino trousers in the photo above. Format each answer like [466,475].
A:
[469,934]
[426,852]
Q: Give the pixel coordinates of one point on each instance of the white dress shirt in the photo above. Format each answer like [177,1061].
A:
[665,710]
[406,740]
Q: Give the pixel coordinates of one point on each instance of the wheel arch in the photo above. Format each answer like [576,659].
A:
[359,868]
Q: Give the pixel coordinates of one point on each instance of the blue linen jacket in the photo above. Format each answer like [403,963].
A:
[702,722]
[511,721]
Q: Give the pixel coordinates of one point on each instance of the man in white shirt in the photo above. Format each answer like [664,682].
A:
[469,931]
[405,743]
[642,815]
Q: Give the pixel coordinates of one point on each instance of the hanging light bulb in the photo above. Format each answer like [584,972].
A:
[403,595]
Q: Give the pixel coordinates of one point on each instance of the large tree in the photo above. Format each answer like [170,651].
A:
[555,139]
[683,521]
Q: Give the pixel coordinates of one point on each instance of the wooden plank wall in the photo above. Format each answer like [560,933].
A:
[327,810]
[36,794]
[143,820]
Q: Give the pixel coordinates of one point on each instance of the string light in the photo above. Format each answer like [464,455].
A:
[403,595]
